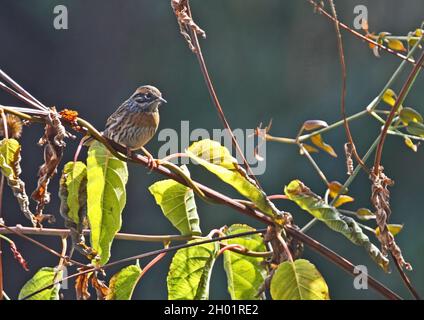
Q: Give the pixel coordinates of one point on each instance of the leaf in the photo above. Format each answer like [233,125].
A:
[308,148]
[389,97]
[245,274]
[335,189]
[410,144]
[396,44]
[178,205]
[122,283]
[218,160]
[298,280]
[342,199]
[319,142]
[393,228]
[314,124]
[73,192]
[365,214]
[106,197]
[190,272]
[10,158]
[416,129]
[408,115]
[312,203]
[44,277]
[81,286]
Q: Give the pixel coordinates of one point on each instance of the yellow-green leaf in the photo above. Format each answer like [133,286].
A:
[389,97]
[342,199]
[410,144]
[190,272]
[393,228]
[312,203]
[415,128]
[218,160]
[319,142]
[408,115]
[178,205]
[106,197]
[396,44]
[44,277]
[298,280]
[123,283]
[365,214]
[245,274]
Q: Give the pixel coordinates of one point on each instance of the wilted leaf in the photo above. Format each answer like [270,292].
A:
[415,128]
[44,277]
[408,115]
[14,126]
[341,200]
[314,124]
[178,205]
[312,203]
[123,283]
[396,44]
[190,272]
[319,142]
[298,280]
[10,158]
[106,197]
[389,97]
[410,144]
[218,160]
[81,286]
[101,288]
[245,274]
[393,228]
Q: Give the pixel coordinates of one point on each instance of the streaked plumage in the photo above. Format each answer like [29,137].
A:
[135,122]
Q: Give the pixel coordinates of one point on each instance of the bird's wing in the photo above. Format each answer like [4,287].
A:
[117,116]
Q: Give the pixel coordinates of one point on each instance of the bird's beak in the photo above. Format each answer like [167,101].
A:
[162,100]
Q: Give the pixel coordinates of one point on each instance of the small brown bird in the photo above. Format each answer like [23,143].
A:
[136,121]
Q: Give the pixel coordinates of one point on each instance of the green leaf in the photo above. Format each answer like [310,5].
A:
[408,115]
[298,280]
[44,277]
[312,203]
[190,272]
[122,283]
[10,158]
[73,191]
[245,274]
[415,128]
[178,205]
[106,197]
[218,160]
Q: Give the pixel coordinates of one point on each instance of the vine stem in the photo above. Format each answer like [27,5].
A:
[214,96]
[6,135]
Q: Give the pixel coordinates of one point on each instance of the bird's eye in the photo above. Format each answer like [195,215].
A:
[148,96]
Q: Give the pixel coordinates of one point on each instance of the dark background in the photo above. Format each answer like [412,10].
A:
[268,59]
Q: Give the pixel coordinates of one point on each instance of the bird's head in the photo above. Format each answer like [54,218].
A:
[147,98]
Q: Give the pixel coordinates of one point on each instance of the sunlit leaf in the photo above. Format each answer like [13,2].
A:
[335,188]
[396,44]
[245,274]
[190,272]
[218,160]
[312,203]
[415,128]
[389,97]
[319,142]
[308,148]
[342,199]
[314,124]
[410,144]
[393,228]
[178,204]
[106,197]
[298,280]
[44,277]
[122,283]
[365,214]
[408,115]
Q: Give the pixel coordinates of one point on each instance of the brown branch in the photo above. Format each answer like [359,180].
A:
[320,9]
[406,280]
[343,94]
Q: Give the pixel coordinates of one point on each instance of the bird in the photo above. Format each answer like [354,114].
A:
[136,121]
